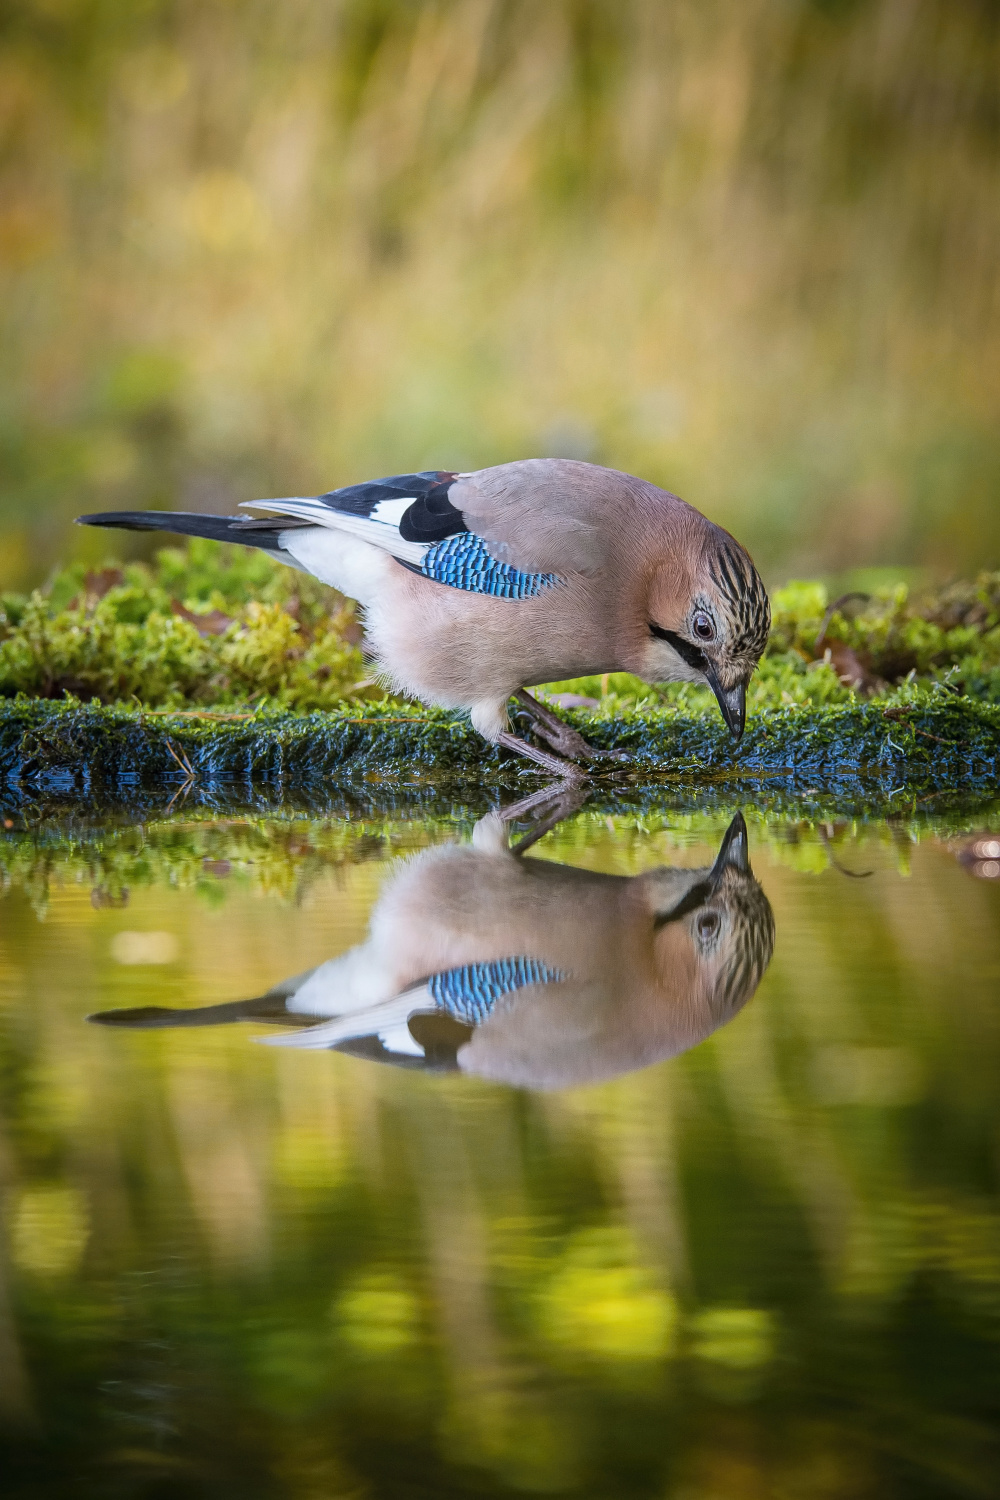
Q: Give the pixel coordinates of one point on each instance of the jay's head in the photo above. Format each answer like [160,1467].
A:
[716,925]
[708,620]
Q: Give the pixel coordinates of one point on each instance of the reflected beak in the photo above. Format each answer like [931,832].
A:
[732,701]
[734,850]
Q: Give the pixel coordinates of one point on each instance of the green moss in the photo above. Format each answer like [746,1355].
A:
[950,634]
[224,627]
[857,758]
[213,626]
[218,675]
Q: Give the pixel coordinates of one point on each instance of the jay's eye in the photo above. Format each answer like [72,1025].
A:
[708,925]
[703,627]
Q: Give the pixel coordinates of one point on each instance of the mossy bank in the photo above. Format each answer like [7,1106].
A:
[215,676]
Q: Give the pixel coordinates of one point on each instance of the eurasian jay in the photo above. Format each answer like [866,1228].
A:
[525,971]
[476,585]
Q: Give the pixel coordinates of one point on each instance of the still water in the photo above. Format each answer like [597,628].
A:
[659,1159]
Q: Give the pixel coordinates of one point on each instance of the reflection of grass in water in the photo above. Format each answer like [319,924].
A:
[270,857]
[749,250]
[378,1315]
[723,1185]
[600,1304]
[50,1228]
[742,1338]
[283,858]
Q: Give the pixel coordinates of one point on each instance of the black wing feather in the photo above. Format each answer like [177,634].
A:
[430,518]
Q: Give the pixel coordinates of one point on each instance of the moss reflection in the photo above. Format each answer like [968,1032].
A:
[742,1338]
[49,1230]
[378,1315]
[601,1304]
[768,1266]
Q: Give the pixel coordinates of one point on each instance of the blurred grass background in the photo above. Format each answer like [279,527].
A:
[747,248]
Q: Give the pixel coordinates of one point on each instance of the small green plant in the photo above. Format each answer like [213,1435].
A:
[206,626]
[209,626]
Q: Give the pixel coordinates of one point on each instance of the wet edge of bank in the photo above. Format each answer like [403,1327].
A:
[852,760]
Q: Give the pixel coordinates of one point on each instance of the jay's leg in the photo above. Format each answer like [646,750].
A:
[556,766]
[565,797]
[559,735]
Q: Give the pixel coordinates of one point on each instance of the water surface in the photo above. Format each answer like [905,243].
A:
[633,1228]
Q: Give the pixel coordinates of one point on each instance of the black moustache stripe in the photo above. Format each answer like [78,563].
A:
[685,650]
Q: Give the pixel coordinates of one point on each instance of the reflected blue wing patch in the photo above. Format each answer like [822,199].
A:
[464,562]
[470,992]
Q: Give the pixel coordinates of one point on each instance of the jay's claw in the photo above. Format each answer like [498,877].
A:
[563,739]
[555,765]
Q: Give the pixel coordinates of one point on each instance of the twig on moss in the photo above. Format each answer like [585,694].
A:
[901,714]
[190,774]
[193,713]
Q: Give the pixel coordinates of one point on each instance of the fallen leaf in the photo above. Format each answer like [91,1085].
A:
[571,700]
[850,668]
[212,623]
[99,582]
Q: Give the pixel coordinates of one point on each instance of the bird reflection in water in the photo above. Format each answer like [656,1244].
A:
[524,971]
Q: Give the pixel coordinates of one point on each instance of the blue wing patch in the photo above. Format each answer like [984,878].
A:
[470,993]
[464,562]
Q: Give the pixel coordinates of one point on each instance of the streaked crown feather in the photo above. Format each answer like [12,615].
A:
[742,591]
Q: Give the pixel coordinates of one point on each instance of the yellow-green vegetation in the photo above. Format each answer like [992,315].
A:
[204,626]
[746,248]
[222,627]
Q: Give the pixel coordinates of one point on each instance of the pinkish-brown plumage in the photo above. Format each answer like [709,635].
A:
[477,585]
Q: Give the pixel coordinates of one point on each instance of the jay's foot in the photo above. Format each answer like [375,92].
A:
[564,740]
[555,765]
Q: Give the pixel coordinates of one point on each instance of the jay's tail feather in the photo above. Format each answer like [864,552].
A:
[249,533]
[267,1008]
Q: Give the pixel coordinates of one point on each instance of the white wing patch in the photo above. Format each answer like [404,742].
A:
[385,1019]
[344,562]
[382,533]
[391,512]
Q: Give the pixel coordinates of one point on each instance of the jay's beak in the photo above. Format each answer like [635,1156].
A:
[732,701]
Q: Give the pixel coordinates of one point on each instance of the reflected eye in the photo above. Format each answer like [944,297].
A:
[708,925]
[703,626]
